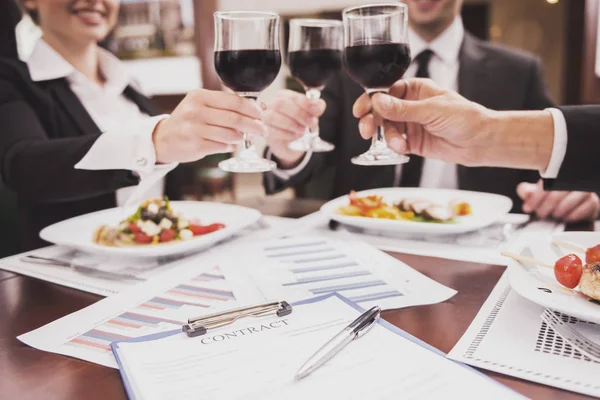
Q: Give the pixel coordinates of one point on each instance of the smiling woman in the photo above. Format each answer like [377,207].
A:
[77,134]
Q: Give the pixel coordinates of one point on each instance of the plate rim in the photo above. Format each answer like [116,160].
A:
[154,251]
[328,210]
[513,272]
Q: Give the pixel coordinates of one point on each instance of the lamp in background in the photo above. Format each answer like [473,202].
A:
[552,1]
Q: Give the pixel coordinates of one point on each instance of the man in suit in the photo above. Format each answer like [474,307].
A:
[424,119]
[495,77]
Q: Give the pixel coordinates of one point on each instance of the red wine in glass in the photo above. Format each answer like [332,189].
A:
[247,59]
[315,56]
[247,72]
[376,55]
[377,66]
[314,68]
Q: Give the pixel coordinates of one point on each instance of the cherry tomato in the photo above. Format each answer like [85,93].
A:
[204,229]
[142,238]
[592,255]
[567,270]
[133,228]
[166,235]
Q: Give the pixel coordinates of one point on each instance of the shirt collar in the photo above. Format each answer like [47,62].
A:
[446,46]
[45,63]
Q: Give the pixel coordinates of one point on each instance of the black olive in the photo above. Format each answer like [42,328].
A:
[162,213]
[145,214]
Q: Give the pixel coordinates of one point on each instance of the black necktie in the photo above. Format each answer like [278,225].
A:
[411,172]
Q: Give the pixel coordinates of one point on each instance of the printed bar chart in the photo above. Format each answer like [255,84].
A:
[320,267]
[160,313]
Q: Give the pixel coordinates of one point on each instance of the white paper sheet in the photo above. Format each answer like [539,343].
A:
[301,267]
[482,246]
[262,365]
[227,276]
[509,337]
[144,268]
[198,285]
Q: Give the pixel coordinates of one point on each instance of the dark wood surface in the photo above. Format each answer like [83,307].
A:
[27,303]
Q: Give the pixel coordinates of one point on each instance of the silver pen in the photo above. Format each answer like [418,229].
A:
[356,329]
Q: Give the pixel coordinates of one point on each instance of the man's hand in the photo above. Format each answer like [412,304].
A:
[287,118]
[559,205]
[442,124]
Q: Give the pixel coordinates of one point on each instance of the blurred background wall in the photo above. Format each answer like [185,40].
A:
[563,33]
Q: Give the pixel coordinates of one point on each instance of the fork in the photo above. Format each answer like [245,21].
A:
[82,269]
[570,335]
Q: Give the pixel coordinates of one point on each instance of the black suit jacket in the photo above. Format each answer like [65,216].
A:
[494,76]
[580,169]
[44,132]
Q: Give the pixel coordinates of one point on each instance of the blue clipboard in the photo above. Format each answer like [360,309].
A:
[115,345]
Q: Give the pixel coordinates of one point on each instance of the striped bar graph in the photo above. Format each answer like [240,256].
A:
[206,277]
[301,253]
[302,281]
[318,259]
[376,296]
[201,292]
[349,286]
[321,267]
[294,245]
[97,339]
[214,275]
[315,268]
[137,322]
[161,303]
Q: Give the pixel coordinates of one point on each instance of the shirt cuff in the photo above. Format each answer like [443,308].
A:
[147,182]
[559,145]
[130,147]
[286,174]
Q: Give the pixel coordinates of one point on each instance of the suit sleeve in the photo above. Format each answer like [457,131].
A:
[40,169]
[580,169]
[328,130]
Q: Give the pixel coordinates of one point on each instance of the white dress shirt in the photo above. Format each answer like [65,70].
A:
[559,146]
[126,140]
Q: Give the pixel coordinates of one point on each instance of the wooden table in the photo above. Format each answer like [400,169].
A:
[27,303]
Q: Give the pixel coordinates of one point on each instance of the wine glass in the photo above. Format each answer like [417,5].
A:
[376,55]
[247,59]
[315,56]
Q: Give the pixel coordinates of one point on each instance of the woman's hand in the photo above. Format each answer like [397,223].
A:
[206,122]
[287,118]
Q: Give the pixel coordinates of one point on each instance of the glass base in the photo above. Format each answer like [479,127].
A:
[314,144]
[380,157]
[242,165]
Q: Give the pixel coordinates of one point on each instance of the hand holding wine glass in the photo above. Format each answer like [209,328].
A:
[247,59]
[376,55]
[205,122]
[315,56]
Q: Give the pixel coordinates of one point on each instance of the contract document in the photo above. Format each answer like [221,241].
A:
[257,358]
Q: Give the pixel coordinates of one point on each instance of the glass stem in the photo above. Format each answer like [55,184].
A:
[247,150]
[313,94]
[378,141]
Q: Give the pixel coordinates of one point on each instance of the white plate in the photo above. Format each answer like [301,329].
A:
[78,232]
[539,285]
[487,209]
